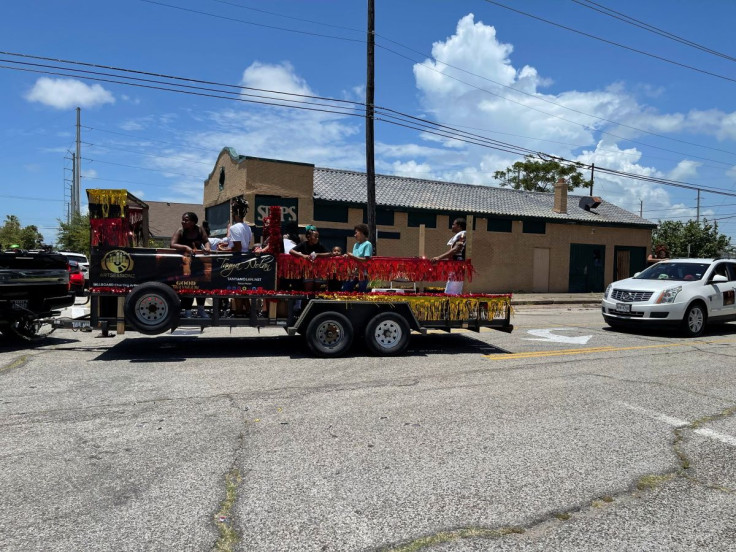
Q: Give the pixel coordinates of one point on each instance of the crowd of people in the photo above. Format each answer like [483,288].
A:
[192,237]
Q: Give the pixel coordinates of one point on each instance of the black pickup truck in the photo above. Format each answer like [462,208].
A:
[33,285]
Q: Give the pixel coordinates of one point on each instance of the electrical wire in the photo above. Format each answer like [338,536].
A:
[647,27]
[611,42]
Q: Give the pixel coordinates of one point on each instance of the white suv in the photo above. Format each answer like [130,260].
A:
[688,293]
[83,263]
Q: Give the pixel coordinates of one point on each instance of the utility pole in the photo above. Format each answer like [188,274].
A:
[77,168]
[697,215]
[592,172]
[370,170]
[641,208]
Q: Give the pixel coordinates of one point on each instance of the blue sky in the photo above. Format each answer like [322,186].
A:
[471,65]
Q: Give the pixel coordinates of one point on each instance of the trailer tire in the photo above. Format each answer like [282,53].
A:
[152,308]
[329,334]
[387,334]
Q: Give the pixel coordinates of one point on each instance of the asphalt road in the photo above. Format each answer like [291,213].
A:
[563,435]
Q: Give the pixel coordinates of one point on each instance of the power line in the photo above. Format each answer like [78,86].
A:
[538,98]
[409,121]
[298,31]
[647,27]
[618,44]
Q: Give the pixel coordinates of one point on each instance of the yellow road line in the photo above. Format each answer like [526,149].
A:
[563,352]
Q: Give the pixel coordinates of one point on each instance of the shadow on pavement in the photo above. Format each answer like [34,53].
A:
[170,348]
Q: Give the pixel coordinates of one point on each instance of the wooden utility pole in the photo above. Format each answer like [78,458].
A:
[592,172]
[370,170]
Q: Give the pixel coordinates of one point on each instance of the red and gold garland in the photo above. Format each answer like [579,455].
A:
[375,268]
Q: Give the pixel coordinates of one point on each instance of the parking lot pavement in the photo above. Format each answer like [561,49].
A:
[490,441]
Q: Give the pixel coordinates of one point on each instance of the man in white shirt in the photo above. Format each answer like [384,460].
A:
[239,235]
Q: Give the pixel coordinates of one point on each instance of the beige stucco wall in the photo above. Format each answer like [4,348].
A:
[503,260]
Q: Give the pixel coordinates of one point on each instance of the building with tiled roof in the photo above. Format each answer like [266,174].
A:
[517,240]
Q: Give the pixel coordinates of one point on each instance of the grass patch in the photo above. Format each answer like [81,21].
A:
[229,537]
[653,481]
[448,536]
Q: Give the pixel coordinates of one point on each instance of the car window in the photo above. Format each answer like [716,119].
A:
[682,272]
[78,258]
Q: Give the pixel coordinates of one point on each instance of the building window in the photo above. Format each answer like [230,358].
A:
[499,225]
[417,218]
[384,217]
[535,227]
[221,180]
[330,212]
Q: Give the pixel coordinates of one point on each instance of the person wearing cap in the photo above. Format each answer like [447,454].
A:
[310,249]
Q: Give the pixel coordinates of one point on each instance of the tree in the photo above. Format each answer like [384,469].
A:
[540,175]
[12,233]
[702,238]
[74,235]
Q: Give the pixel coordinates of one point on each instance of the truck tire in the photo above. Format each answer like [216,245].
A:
[387,334]
[152,308]
[695,319]
[329,334]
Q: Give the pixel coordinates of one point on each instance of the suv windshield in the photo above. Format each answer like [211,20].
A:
[674,271]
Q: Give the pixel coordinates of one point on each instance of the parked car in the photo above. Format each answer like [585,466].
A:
[83,263]
[687,293]
[76,278]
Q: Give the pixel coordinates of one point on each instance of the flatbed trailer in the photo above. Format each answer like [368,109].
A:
[142,289]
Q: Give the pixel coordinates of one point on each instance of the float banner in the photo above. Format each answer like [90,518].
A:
[127,267]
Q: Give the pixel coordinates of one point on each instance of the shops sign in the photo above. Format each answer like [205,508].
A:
[289,208]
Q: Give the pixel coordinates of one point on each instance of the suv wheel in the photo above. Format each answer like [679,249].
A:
[693,324]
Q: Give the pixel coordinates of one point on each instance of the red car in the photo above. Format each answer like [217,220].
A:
[76,278]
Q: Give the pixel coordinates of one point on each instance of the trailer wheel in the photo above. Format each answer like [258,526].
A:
[387,334]
[329,334]
[152,308]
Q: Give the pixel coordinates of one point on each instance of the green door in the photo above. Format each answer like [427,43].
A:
[587,262]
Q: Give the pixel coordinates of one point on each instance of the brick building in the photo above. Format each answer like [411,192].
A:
[517,240]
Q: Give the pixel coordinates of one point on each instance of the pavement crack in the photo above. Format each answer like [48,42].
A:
[227,527]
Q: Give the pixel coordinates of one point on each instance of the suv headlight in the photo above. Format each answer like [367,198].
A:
[668,295]
[608,291]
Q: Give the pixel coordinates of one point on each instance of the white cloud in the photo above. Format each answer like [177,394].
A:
[684,170]
[279,77]
[67,93]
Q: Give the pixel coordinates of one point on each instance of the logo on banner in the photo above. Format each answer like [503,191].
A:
[117,261]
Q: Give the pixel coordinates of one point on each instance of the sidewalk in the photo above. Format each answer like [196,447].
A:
[557,298]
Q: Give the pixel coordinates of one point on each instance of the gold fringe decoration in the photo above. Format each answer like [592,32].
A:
[435,307]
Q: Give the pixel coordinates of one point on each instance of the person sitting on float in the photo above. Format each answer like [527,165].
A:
[186,240]
[310,249]
[362,250]
[190,236]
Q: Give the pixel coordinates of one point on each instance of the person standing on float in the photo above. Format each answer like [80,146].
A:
[455,253]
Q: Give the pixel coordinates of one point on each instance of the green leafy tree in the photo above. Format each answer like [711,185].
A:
[12,233]
[74,235]
[703,238]
[540,175]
